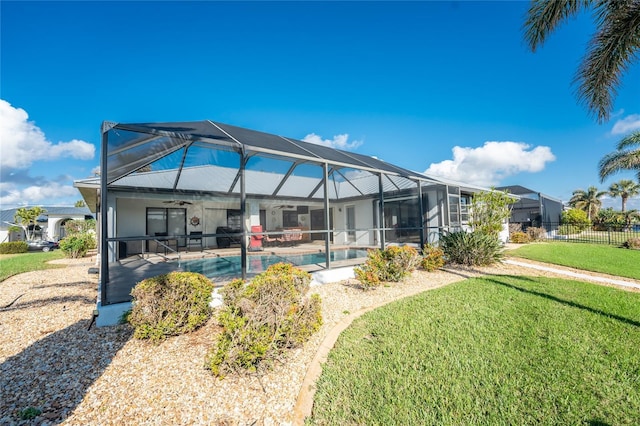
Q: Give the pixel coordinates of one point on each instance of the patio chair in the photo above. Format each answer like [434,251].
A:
[255,244]
[195,238]
[268,240]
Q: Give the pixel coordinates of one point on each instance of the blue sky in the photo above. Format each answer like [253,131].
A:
[444,87]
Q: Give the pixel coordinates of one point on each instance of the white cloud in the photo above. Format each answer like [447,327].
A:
[338,141]
[626,125]
[39,194]
[488,164]
[23,142]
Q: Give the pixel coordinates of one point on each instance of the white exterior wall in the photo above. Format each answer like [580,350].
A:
[364,220]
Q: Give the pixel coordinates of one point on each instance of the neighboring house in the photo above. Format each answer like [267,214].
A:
[534,208]
[166,185]
[50,225]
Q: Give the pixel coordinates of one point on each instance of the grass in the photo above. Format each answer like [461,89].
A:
[603,237]
[496,350]
[589,257]
[13,264]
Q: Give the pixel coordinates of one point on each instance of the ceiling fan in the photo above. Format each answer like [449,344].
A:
[178,202]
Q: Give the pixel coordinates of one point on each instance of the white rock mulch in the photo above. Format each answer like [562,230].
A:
[80,376]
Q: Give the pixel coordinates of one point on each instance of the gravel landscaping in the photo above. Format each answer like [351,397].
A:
[76,375]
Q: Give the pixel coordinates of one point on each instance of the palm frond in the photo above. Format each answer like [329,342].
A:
[543,17]
[629,141]
[618,161]
[610,52]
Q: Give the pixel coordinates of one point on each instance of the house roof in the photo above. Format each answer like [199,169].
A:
[8,214]
[526,192]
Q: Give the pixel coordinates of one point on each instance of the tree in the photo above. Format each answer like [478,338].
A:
[489,210]
[624,189]
[626,157]
[79,203]
[629,217]
[611,50]
[588,201]
[575,218]
[26,217]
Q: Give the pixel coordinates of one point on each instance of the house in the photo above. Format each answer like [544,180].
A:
[206,196]
[50,224]
[534,208]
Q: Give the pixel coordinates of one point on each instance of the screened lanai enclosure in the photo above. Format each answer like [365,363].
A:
[228,202]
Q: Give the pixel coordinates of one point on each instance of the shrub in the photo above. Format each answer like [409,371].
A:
[392,264]
[77,245]
[515,227]
[536,234]
[632,243]
[263,319]
[14,247]
[490,210]
[577,219]
[170,304]
[520,238]
[432,257]
[471,248]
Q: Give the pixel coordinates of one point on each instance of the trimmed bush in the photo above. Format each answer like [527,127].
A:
[432,257]
[392,264]
[632,243]
[76,245]
[170,304]
[14,247]
[536,234]
[515,227]
[264,318]
[519,238]
[471,248]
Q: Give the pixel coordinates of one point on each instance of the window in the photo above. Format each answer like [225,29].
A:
[234,220]
[168,220]
[465,203]
[454,210]
[289,218]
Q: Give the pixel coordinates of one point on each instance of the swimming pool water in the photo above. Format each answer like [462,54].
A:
[231,266]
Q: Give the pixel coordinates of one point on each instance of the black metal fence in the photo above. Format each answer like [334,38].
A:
[580,233]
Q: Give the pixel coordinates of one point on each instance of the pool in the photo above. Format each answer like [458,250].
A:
[231,266]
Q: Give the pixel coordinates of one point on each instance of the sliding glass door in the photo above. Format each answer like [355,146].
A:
[171,221]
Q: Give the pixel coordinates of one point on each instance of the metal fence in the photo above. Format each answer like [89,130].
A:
[580,233]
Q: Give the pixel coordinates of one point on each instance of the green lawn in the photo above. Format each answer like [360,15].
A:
[12,264]
[589,257]
[603,237]
[499,350]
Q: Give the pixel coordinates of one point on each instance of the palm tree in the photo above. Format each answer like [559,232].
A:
[588,201]
[629,217]
[610,52]
[624,189]
[26,218]
[626,157]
